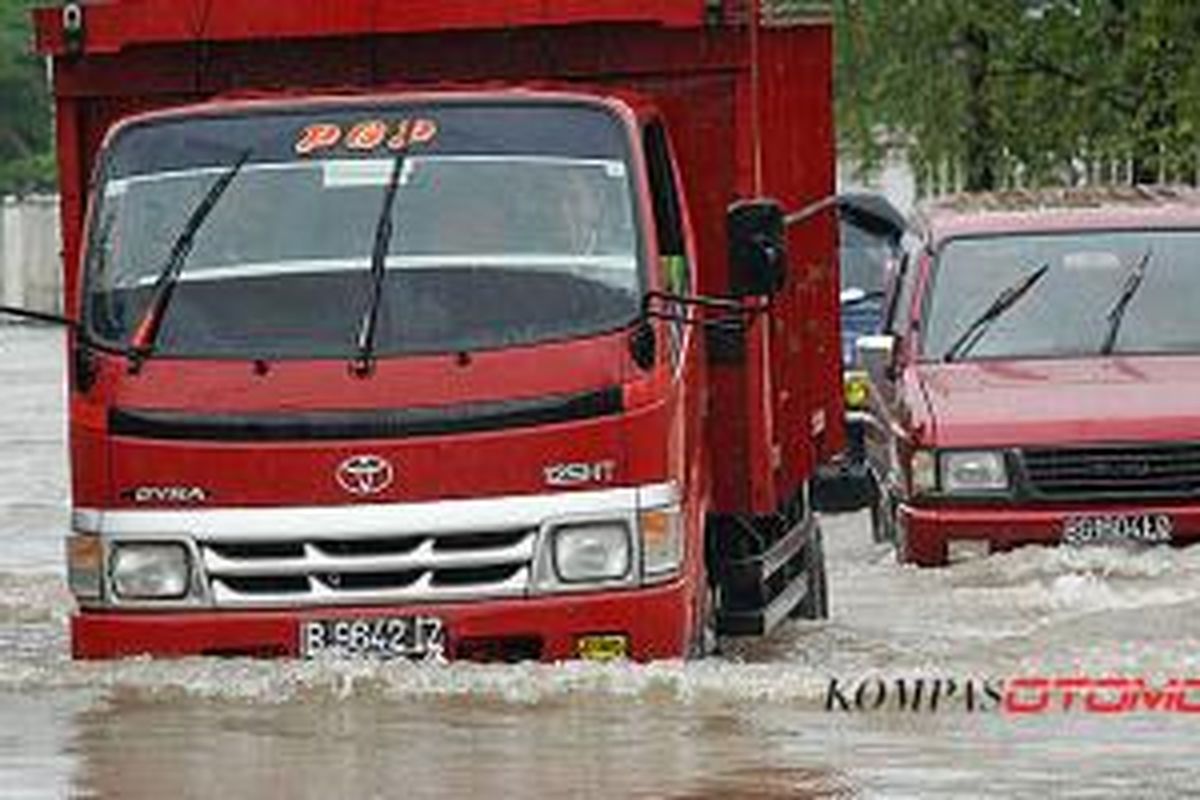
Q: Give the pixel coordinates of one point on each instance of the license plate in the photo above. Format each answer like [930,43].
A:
[1118,529]
[373,638]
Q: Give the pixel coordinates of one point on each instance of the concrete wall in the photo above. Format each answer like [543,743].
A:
[30,254]
[894,179]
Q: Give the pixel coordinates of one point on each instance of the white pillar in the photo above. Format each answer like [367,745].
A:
[42,259]
[10,260]
[30,259]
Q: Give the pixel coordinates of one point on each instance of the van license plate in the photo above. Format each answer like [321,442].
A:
[1118,529]
[373,637]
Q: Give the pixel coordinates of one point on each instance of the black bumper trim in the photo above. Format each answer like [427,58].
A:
[373,424]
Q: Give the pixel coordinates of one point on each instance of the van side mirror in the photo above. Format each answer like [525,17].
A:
[757,248]
[877,355]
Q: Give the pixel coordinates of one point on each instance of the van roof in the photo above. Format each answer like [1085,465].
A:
[1049,210]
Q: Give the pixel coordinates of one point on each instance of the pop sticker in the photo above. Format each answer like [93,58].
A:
[410,132]
[367,135]
[321,136]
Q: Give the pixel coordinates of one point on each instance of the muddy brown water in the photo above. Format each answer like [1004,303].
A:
[751,723]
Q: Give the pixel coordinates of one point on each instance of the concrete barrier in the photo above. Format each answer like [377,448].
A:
[30,254]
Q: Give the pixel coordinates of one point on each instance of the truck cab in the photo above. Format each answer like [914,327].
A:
[384,351]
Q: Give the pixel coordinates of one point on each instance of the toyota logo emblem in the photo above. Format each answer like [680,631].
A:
[365,475]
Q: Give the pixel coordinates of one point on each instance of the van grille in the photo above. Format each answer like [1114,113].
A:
[369,570]
[1155,470]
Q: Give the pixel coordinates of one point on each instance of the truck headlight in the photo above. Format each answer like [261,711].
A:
[150,571]
[972,471]
[592,551]
[662,542]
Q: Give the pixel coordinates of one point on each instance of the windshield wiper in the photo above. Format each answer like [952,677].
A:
[1003,302]
[142,345]
[1116,314]
[364,361]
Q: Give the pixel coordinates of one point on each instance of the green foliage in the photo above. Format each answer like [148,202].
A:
[1033,90]
[25,128]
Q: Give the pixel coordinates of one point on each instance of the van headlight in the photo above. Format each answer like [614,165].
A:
[959,472]
[150,571]
[973,472]
[587,552]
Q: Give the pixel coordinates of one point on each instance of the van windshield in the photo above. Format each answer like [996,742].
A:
[511,224]
[1070,311]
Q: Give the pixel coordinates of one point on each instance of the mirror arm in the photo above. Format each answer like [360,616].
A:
[39,316]
[811,210]
[83,338]
[733,313]
[726,304]
[729,322]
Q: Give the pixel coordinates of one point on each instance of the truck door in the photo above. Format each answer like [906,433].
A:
[675,265]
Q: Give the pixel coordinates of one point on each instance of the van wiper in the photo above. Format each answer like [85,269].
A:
[144,338]
[364,361]
[1116,314]
[1003,302]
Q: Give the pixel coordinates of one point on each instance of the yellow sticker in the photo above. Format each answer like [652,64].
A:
[602,647]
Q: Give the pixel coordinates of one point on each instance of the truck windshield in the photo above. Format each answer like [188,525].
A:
[1069,314]
[512,224]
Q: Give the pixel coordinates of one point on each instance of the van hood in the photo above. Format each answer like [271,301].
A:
[1042,402]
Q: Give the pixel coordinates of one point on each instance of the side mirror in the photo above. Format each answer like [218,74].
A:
[757,248]
[877,355]
[873,214]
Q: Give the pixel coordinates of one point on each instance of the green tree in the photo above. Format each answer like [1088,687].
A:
[1033,89]
[26,162]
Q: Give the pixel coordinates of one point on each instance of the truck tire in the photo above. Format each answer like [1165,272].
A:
[815,604]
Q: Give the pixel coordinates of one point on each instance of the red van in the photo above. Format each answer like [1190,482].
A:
[1038,374]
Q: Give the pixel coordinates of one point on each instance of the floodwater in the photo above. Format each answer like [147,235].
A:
[751,723]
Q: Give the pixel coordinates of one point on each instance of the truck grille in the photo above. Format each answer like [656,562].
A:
[1155,470]
[369,570]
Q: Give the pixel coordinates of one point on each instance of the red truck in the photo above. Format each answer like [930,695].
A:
[444,327]
[1036,383]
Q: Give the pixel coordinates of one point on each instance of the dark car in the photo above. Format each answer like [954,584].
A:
[870,230]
